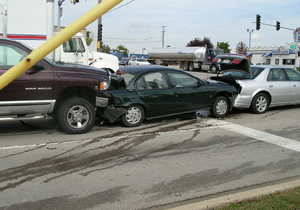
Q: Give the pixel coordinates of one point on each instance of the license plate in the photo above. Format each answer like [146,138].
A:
[226,61]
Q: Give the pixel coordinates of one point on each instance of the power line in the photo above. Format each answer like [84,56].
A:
[121,6]
[133,39]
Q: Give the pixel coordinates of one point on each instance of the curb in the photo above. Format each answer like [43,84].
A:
[239,197]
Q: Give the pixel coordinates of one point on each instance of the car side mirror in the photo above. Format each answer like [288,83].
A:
[35,68]
[38,66]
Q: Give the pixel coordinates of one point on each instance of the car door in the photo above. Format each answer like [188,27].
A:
[279,87]
[154,90]
[190,94]
[294,77]
[34,86]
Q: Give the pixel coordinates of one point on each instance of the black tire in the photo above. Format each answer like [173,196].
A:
[185,66]
[260,103]
[134,116]
[213,69]
[76,115]
[220,107]
[191,67]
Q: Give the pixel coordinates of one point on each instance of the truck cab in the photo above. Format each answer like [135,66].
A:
[76,51]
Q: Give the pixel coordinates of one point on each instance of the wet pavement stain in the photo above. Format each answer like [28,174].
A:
[71,201]
[103,157]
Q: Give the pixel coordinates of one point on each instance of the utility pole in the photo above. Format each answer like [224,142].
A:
[250,31]
[99,37]
[163,36]
[59,13]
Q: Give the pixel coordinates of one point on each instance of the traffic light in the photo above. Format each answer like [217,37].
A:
[257,22]
[100,32]
[75,1]
[277,25]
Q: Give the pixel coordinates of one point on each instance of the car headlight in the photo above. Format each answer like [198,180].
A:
[104,85]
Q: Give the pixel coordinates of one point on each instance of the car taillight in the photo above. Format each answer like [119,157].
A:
[215,60]
[236,61]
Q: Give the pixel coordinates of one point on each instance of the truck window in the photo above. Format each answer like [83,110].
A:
[71,45]
[10,55]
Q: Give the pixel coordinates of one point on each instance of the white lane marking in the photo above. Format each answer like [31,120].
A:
[256,134]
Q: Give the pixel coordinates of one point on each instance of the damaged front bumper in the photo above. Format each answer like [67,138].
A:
[112,113]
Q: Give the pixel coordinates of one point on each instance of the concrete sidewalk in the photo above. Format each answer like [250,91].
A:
[239,197]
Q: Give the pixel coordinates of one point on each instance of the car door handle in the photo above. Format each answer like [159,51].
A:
[270,85]
[147,96]
[179,94]
[294,85]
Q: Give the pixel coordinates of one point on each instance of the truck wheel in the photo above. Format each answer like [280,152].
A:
[134,117]
[213,69]
[76,115]
[185,66]
[191,67]
[220,107]
[260,103]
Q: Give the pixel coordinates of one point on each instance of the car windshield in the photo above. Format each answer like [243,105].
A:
[255,71]
[141,60]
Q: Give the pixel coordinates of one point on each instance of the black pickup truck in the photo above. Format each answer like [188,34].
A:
[71,93]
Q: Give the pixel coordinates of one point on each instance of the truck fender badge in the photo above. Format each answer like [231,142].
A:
[39,88]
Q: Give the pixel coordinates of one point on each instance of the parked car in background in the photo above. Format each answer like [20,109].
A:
[261,86]
[151,91]
[123,62]
[138,61]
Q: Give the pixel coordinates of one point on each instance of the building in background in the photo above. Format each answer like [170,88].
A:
[283,55]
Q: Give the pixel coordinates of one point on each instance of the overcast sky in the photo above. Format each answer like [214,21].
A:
[138,24]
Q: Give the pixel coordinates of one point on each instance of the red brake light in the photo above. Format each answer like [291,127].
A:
[236,61]
[215,60]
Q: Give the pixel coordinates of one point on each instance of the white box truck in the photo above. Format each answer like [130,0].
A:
[32,22]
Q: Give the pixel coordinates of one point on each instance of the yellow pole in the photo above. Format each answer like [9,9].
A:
[61,37]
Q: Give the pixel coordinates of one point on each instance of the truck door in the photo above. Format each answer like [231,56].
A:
[74,51]
[34,85]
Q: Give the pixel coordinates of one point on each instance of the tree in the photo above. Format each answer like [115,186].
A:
[89,39]
[241,48]
[105,48]
[224,46]
[198,42]
[122,49]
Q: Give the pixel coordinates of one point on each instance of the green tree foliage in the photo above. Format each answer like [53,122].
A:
[89,40]
[122,49]
[201,42]
[105,49]
[241,48]
[224,45]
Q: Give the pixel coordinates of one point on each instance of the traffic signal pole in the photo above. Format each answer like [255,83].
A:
[99,33]
[55,41]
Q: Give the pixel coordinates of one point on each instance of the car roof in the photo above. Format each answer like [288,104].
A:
[140,69]
[271,66]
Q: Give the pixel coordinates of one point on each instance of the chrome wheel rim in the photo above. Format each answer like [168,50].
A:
[261,104]
[78,117]
[133,115]
[221,107]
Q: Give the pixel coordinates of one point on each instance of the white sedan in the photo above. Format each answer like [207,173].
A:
[261,86]
[138,61]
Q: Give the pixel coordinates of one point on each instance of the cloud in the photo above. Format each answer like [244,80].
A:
[221,21]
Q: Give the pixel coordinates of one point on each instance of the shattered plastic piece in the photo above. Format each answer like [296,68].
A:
[51,148]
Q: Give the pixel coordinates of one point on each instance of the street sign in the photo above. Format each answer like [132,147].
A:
[293,47]
[297,35]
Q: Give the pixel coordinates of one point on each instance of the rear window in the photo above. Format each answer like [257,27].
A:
[127,77]
[256,71]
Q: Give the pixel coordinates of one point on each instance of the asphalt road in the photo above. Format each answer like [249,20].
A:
[157,165]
